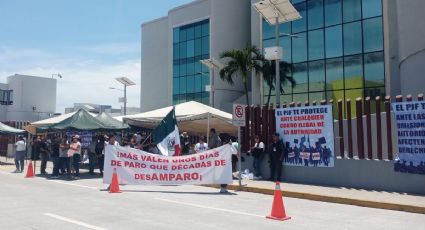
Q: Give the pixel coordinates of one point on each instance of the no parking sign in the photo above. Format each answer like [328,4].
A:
[239,115]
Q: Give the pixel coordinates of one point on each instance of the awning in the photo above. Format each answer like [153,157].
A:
[192,117]
[8,130]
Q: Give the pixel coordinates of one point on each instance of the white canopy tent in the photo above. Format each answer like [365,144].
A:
[192,117]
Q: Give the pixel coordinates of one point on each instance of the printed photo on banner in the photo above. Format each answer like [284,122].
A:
[307,133]
[410,122]
[138,167]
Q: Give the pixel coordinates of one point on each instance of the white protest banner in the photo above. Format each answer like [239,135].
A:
[138,167]
[307,133]
[410,120]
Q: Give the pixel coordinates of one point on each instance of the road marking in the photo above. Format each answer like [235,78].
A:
[207,207]
[71,184]
[76,222]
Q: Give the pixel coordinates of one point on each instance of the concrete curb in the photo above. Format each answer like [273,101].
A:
[331,199]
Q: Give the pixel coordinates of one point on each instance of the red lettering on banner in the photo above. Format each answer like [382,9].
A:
[169,177]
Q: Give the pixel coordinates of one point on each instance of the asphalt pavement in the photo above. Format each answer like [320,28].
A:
[41,203]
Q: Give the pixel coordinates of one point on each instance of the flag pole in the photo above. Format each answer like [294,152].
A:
[239,158]
[208,128]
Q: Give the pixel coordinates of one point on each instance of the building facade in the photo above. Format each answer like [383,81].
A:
[173,46]
[27,98]
[339,49]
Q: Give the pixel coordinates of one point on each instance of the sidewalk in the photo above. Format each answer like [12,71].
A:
[359,197]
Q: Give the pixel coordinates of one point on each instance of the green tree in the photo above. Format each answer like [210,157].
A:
[269,75]
[240,63]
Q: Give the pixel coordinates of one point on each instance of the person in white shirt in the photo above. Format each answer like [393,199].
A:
[201,146]
[257,152]
[75,146]
[21,148]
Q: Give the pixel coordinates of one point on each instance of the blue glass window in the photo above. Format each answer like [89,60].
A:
[198,31]
[182,35]
[190,84]
[353,71]
[299,48]
[190,48]
[372,34]
[183,84]
[374,71]
[183,50]
[352,38]
[316,76]
[190,68]
[333,41]
[176,35]
[315,44]
[268,30]
[182,69]
[190,33]
[205,45]
[334,74]
[176,51]
[315,14]
[300,24]
[285,42]
[198,47]
[206,28]
[176,70]
[176,86]
[198,83]
[300,75]
[352,10]
[333,13]
[371,8]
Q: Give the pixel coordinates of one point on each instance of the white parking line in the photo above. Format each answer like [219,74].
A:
[71,184]
[76,222]
[212,208]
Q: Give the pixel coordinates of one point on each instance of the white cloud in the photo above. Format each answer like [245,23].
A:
[84,80]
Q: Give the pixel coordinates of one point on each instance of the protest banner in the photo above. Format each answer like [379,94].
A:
[307,133]
[410,120]
[85,137]
[138,167]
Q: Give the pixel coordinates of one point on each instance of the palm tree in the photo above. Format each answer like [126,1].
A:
[240,63]
[269,75]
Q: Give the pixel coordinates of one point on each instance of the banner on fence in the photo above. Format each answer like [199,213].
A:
[307,133]
[138,167]
[410,120]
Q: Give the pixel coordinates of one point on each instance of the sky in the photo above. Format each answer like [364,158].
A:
[89,42]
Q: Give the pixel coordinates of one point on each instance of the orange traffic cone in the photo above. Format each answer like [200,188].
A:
[30,170]
[278,209]
[114,187]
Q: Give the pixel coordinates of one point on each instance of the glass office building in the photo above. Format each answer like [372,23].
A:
[190,45]
[338,52]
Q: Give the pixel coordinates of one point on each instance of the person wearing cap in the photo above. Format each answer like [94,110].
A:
[20,154]
[276,160]
[75,146]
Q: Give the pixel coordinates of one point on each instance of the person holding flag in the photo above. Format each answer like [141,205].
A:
[166,134]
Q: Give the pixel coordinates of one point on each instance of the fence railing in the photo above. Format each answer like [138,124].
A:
[367,135]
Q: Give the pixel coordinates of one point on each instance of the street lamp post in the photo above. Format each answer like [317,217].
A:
[212,64]
[126,82]
[275,12]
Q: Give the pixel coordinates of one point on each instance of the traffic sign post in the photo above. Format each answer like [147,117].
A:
[239,120]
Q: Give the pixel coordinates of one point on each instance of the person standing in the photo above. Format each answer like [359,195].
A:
[201,146]
[21,148]
[214,140]
[100,147]
[184,139]
[257,152]
[276,150]
[64,158]
[55,157]
[76,157]
[92,155]
[44,154]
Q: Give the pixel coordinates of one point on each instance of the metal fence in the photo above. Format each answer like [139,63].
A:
[368,134]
